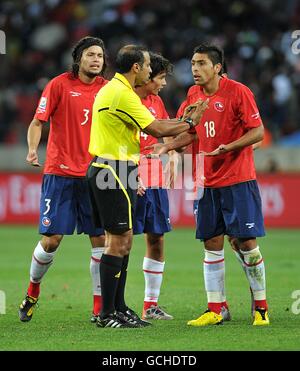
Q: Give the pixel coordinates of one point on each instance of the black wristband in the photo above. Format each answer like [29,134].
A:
[190,122]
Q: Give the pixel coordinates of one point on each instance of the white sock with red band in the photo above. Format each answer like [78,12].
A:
[214,279]
[95,275]
[40,263]
[240,258]
[153,273]
[255,271]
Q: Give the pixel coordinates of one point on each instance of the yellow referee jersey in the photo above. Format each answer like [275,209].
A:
[118,117]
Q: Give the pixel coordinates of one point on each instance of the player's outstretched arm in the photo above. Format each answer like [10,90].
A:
[167,128]
[257,145]
[171,167]
[33,139]
[253,136]
[180,141]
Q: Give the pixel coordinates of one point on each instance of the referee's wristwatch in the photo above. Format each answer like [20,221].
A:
[189,121]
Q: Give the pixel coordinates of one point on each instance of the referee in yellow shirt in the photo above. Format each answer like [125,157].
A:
[118,117]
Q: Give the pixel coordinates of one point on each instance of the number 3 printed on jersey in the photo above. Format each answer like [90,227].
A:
[86,115]
[210,129]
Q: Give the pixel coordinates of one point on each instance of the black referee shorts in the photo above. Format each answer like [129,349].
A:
[113,193]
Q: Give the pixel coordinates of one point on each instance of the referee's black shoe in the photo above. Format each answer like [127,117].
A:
[115,320]
[134,318]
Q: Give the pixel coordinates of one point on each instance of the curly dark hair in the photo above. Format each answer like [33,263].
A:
[83,44]
[159,64]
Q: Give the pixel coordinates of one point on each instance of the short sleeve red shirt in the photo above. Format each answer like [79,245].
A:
[232,112]
[68,102]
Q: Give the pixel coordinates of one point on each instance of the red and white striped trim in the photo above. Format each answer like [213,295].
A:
[42,263]
[213,262]
[95,259]
[253,265]
[151,299]
[153,272]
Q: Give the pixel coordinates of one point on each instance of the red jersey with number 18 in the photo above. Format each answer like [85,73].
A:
[150,170]
[232,112]
[68,102]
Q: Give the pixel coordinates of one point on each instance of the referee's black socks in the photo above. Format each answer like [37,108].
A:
[120,294]
[110,273]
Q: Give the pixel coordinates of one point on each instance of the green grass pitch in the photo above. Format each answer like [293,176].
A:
[62,320]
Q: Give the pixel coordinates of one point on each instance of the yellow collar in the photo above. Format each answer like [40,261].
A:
[123,79]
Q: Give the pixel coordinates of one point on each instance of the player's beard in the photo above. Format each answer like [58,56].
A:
[90,74]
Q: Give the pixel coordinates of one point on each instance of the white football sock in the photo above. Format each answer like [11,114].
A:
[255,271]
[40,263]
[95,269]
[241,260]
[153,273]
[214,276]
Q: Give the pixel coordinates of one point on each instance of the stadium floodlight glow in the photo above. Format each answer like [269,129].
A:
[2,42]
[296,43]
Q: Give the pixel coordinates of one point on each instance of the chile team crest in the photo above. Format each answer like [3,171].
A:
[219,106]
[152,110]
[46,221]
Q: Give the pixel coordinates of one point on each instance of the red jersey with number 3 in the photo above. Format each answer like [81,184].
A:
[150,170]
[68,102]
[232,112]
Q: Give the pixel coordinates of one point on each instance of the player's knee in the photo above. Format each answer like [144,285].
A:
[98,241]
[155,243]
[51,243]
[125,250]
[214,243]
[125,243]
[155,240]
[125,247]
[247,244]
[233,243]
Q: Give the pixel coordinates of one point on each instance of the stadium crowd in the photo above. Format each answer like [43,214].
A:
[256,37]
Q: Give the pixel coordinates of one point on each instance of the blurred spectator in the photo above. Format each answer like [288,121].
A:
[282,93]
[40,34]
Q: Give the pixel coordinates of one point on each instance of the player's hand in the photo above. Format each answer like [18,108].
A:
[32,158]
[171,171]
[170,176]
[188,110]
[141,188]
[157,150]
[201,106]
[223,148]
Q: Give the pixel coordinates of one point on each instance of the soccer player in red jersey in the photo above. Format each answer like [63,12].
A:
[231,202]
[233,240]
[67,101]
[152,209]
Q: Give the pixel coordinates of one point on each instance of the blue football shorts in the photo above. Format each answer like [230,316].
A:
[152,212]
[65,205]
[233,210]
